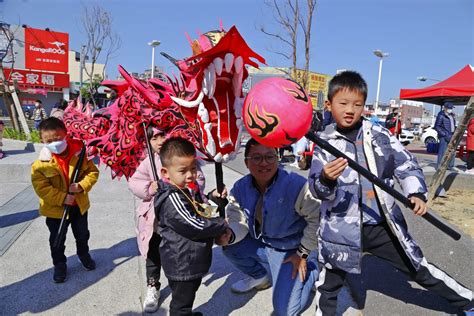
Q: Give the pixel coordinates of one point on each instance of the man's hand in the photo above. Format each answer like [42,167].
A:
[299,265]
[154,187]
[223,240]
[216,194]
[334,169]
[69,199]
[75,188]
[419,208]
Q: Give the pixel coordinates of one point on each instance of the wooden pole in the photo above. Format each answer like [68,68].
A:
[451,150]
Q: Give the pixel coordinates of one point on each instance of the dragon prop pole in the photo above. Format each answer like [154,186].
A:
[220,188]
[432,219]
[150,153]
[64,219]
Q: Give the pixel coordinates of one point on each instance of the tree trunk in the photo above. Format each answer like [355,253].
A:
[451,150]
[294,39]
[8,100]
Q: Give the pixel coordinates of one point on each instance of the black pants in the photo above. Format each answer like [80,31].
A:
[470,159]
[183,294]
[80,231]
[380,241]
[153,261]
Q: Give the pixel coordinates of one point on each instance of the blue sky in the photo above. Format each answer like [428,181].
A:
[434,38]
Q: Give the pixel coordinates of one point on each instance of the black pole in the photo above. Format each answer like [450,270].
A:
[434,220]
[63,225]
[150,154]
[220,188]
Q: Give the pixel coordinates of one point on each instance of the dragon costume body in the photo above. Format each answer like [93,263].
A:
[203,105]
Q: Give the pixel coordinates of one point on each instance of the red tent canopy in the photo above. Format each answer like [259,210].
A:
[456,89]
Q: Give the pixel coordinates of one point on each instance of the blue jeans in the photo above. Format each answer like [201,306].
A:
[37,123]
[443,146]
[290,296]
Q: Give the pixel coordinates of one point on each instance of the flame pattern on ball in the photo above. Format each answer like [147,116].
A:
[277,112]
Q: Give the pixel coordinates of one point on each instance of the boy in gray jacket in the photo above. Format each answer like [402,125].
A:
[358,217]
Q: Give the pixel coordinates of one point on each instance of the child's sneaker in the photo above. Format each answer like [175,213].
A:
[150,304]
[87,262]
[60,273]
[248,284]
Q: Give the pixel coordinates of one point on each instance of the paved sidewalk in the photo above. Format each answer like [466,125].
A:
[117,285]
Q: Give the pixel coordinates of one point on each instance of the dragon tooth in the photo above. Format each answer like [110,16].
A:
[211,145]
[203,113]
[189,104]
[229,61]
[212,80]
[218,63]
[237,84]
[239,64]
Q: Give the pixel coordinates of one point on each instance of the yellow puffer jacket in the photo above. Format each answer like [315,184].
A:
[50,185]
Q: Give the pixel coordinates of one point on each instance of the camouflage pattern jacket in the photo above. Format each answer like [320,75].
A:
[339,236]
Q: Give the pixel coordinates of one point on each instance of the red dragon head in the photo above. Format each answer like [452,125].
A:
[204,105]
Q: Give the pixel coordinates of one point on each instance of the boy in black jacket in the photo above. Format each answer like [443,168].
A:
[187,236]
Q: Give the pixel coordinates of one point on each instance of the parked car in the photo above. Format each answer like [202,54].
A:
[429,136]
[406,137]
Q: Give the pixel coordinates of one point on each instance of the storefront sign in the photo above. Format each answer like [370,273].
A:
[35,78]
[46,50]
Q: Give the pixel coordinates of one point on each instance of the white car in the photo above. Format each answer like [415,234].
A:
[406,137]
[429,136]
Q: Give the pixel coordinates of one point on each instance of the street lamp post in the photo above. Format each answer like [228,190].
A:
[153,44]
[423,78]
[381,55]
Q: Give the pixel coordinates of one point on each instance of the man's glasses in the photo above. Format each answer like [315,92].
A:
[258,159]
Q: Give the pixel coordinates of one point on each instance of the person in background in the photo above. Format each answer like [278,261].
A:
[445,125]
[393,124]
[470,147]
[39,113]
[58,111]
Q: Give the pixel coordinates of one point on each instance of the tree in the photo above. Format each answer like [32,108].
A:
[289,18]
[7,37]
[102,41]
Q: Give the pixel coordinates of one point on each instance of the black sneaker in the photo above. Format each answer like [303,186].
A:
[60,273]
[87,262]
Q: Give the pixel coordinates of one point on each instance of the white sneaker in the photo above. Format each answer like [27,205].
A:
[469,171]
[150,305]
[249,284]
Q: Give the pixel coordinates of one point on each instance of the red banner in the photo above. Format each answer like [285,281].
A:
[37,79]
[46,50]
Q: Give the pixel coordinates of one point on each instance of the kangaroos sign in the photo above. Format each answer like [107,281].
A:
[46,50]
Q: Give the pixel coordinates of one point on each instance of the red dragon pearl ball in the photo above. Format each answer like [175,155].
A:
[277,112]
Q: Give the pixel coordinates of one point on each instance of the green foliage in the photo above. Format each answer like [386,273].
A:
[86,87]
[11,133]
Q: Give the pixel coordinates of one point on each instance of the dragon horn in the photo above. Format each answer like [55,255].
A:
[139,87]
[88,110]
[173,60]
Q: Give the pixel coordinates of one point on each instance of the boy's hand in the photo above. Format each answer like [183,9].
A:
[223,240]
[154,187]
[69,199]
[299,266]
[334,169]
[419,208]
[75,188]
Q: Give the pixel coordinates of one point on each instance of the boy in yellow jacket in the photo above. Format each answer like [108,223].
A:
[50,176]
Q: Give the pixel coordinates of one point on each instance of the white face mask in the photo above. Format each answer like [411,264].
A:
[449,111]
[57,147]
